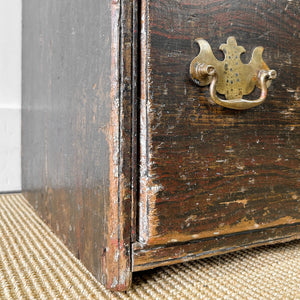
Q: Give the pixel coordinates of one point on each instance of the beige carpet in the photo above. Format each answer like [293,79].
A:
[34,264]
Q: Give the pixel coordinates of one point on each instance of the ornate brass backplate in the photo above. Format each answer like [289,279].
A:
[231,77]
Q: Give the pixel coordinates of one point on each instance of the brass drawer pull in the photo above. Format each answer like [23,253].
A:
[231,77]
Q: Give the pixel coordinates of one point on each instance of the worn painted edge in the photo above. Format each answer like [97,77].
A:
[144,132]
[135,47]
[117,253]
[144,259]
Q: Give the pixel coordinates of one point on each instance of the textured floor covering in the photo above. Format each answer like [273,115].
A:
[34,264]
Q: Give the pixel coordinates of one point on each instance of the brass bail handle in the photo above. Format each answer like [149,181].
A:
[231,77]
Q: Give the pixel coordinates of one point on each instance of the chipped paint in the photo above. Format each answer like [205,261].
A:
[116,258]
[160,256]
[243,225]
[195,155]
[243,202]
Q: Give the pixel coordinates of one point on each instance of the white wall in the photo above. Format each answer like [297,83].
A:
[10,95]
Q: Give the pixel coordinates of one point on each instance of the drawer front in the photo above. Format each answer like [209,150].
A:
[205,170]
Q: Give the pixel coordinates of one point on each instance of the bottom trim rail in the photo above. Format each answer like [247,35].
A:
[147,258]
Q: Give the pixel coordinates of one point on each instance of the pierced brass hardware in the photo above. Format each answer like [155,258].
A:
[231,77]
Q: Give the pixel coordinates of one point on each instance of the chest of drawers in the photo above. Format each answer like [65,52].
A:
[128,159]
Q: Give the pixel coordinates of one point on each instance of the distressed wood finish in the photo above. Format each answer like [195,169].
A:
[77,128]
[152,257]
[122,154]
[205,170]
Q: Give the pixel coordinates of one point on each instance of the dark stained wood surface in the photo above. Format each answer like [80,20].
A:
[209,179]
[206,170]
[151,257]
[117,258]
[76,128]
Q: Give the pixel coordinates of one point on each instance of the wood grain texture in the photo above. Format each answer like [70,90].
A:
[151,257]
[206,170]
[210,178]
[76,128]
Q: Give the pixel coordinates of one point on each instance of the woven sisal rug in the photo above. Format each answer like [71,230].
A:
[34,264]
